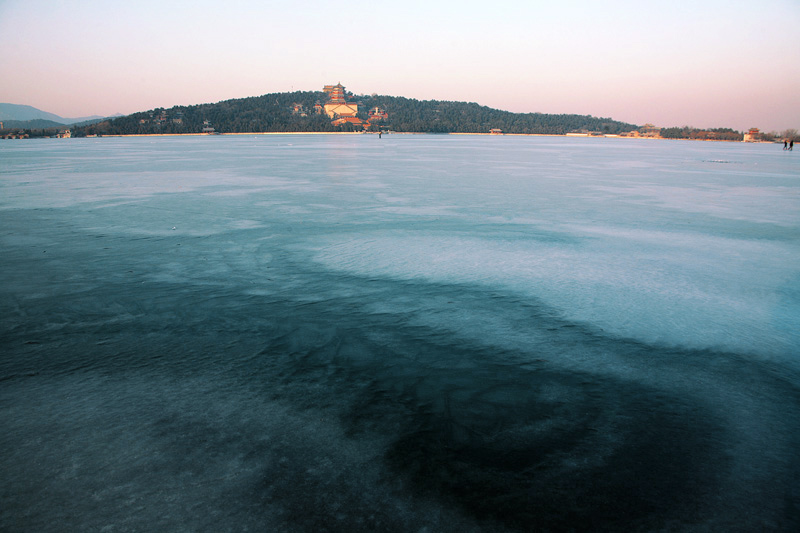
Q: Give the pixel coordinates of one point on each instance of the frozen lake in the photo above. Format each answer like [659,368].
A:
[413,333]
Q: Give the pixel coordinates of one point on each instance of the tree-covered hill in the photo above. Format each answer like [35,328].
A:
[406,114]
[294,112]
[38,123]
[715,134]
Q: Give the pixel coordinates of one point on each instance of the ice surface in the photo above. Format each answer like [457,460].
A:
[670,288]
[616,244]
[659,242]
[449,333]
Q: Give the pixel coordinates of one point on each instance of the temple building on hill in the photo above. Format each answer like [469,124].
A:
[298,109]
[355,121]
[377,114]
[335,93]
[338,106]
[343,112]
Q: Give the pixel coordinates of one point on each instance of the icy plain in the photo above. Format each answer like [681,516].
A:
[412,333]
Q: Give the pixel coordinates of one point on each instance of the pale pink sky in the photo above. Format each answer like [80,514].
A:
[704,63]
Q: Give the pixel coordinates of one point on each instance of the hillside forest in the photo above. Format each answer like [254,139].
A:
[294,112]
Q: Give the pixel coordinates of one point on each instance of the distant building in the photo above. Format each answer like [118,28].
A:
[64,134]
[337,106]
[648,130]
[355,121]
[495,131]
[207,127]
[377,114]
[752,136]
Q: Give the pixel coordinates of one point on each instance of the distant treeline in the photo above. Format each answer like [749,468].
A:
[39,127]
[279,112]
[435,116]
[686,132]
[36,124]
[726,134]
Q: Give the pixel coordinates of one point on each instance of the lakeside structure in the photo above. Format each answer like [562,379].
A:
[648,131]
[752,136]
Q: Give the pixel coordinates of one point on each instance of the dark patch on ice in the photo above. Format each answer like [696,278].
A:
[566,466]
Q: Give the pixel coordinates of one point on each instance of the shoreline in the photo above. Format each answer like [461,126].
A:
[573,135]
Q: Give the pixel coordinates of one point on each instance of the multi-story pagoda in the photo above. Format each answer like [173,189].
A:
[337,105]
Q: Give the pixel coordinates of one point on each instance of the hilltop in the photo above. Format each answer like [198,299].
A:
[306,111]
[29,116]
